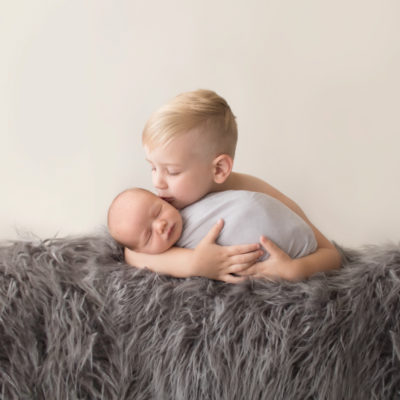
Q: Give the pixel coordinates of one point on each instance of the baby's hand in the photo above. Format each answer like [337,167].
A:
[220,262]
[277,265]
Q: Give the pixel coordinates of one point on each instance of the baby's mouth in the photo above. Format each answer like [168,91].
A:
[170,230]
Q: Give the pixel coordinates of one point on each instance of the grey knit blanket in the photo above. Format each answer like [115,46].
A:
[77,323]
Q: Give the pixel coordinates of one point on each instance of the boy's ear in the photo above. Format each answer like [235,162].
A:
[222,167]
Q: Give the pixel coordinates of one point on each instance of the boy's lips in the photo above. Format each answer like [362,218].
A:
[167,199]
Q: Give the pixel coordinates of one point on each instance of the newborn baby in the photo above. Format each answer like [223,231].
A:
[143,222]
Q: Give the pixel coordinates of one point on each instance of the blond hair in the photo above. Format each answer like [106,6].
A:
[201,109]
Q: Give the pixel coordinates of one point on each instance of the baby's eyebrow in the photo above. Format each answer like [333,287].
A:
[154,208]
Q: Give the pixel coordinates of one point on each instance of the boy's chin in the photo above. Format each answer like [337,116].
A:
[175,203]
[167,199]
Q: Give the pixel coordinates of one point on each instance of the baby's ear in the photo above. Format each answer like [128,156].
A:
[222,167]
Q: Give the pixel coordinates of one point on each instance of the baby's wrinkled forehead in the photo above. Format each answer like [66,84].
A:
[129,214]
[140,201]
[128,204]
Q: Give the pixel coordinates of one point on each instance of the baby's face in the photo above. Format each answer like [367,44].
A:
[155,225]
[182,171]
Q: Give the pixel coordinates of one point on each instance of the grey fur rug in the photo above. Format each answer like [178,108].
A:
[77,323]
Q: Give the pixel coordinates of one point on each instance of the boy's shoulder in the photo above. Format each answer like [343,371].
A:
[233,196]
[239,181]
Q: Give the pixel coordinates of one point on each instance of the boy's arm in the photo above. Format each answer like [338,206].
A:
[208,259]
[279,264]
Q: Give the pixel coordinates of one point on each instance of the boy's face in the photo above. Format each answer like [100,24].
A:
[153,225]
[182,171]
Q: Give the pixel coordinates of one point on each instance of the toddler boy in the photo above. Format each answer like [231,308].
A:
[190,143]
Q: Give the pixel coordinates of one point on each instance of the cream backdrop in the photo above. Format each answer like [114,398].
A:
[314,84]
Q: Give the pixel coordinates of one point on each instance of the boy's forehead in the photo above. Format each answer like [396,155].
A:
[178,150]
[168,155]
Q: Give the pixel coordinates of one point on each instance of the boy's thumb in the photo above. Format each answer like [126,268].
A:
[269,245]
[214,232]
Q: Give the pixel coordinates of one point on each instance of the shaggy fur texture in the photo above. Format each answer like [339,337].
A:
[77,323]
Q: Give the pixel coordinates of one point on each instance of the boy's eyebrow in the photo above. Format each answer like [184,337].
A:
[166,164]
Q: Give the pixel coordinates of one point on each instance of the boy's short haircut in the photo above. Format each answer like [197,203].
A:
[202,109]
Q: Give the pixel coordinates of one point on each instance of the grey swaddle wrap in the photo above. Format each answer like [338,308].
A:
[247,216]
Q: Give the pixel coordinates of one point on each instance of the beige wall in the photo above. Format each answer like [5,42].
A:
[314,84]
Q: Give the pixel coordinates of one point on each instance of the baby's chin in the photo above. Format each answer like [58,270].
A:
[158,250]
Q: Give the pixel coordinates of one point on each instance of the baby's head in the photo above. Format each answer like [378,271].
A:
[190,143]
[141,221]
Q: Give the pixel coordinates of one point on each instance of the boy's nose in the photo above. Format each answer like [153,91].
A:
[159,181]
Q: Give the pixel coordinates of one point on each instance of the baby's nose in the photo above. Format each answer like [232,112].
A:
[161,224]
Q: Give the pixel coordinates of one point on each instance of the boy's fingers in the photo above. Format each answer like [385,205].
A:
[242,269]
[243,249]
[214,232]
[270,246]
[247,258]
[232,279]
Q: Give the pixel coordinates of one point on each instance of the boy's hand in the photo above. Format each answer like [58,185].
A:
[277,265]
[220,262]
